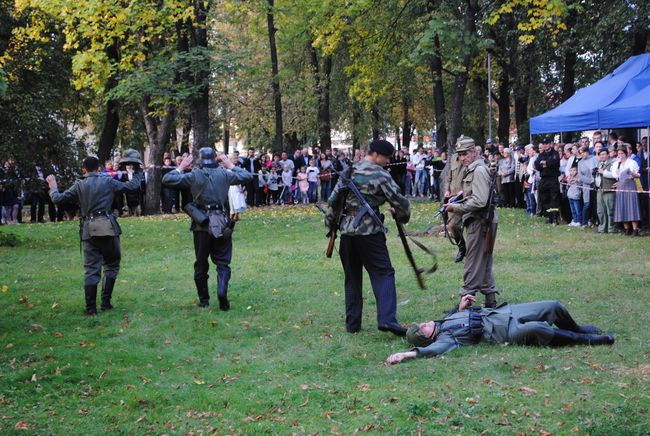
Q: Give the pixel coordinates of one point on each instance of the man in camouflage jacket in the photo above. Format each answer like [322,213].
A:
[363,241]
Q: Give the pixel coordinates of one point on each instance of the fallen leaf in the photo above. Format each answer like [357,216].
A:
[168,341]
[527,390]
[199,382]
[213,323]
[34,377]
[304,387]
[363,387]
[55,305]
[58,335]
[125,321]
[393,399]
[23,299]
[5,289]
[9,345]
[21,425]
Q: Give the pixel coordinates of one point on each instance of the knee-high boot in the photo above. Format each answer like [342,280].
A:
[91,299]
[566,337]
[222,289]
[202,290]
[462,249]
[107,292]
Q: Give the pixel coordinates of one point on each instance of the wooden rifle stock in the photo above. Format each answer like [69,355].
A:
[330,244]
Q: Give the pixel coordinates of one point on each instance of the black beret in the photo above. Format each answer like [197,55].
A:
[546,140]
[382,146]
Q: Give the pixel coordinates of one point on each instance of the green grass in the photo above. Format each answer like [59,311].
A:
[280,360]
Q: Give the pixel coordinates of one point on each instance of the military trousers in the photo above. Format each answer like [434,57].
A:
[369,252]
[548,191]
[531,323]
[101,251]
[605,202]
[478,276]
[220,252]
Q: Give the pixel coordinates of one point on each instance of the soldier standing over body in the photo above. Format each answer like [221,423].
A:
[211,225]
[363,240]
[480,218]
[99,230]
[453,186]
[548,188]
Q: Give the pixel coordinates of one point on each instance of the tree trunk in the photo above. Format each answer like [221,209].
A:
[321,87]
[503,103]
[277,96]
[570,60]
[406,122]
[112,115]
[375,123]
[439,96]
[456,120]
[158,133]
[356,121]
[226,131]
[398,142]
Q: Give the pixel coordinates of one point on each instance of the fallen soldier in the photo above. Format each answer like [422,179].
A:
[523,324]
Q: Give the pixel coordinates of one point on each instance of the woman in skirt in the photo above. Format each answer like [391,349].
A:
[627,209]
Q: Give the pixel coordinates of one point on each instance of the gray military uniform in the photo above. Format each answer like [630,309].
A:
[94,194]
[524,324]
[478,263]
[209,188]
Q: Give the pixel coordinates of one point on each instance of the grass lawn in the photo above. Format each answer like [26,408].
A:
[280,361]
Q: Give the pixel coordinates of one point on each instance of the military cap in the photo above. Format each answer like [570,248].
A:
[415,337]
[546,140]
[131,156]
[381,146]
[207,156]
[465,143]
[489,141]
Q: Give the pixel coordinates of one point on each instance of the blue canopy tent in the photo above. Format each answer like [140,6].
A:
[594,107]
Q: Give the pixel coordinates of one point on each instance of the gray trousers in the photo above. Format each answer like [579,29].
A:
[605,201]
[478,264]
[101,251]
[531,323]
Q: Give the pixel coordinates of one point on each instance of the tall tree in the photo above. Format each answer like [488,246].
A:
[277,95]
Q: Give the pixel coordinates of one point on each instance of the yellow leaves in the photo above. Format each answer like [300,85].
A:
[5,289]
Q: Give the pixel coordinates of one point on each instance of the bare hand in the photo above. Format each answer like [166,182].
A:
[225,160]
[186,163]
[449,207]
[396,358]
[51,181]
[447,194]
[466,301]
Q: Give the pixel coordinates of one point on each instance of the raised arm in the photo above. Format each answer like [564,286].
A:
[70,196]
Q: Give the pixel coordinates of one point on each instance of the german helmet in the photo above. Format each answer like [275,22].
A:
[131,156]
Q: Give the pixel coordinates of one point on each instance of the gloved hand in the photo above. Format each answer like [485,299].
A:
[330,219]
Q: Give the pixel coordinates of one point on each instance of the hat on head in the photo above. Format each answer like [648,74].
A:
[131,156]
[415,337]
[207,157]
[489,141]
[465,143]
[520,147]
[546,140]
[382,147]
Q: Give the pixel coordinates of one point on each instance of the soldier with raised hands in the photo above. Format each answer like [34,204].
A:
[211,224]
[99,230]
[363,239]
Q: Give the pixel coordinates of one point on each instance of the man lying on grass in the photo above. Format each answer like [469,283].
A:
[524,324]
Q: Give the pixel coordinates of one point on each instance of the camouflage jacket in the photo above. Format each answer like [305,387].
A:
[378,187]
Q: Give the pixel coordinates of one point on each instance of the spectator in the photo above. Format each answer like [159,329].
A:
[587,166]
[167,193]
[287,185]
[273,185]
[574,193]
[325,166]
[312,178]
[303,184]
[133,201]
[418,164]
[606,197]
[506,170]
[627,202]
[252,165]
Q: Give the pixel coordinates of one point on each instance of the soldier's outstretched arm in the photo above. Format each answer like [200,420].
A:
[69,196]
[400,203]
[236,175]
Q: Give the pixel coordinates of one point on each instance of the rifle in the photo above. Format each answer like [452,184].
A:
[332,231]
[492,202]
[442,212]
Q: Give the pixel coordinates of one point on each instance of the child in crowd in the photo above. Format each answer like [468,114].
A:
[574,193]
[273,186]
[287,184]
[303,184]
[312,179]
[263,189]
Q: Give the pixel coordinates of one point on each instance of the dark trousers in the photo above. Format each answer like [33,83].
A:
[101,251]
[548,191]
[168,195]
[37,206]
[369,252]
[251,192]
[220,252]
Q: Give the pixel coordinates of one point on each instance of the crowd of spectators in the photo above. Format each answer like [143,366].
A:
[600,183]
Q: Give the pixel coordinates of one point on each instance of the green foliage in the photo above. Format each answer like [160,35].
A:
[8,239]
[280,361]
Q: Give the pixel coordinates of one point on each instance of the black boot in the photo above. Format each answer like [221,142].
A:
[107,292]
[222,290]
[394,327]
[202,290]
[490,301]
[91,299]
[462,250]
[590,329]
[566,337]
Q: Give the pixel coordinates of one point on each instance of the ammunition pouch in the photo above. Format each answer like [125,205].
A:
[475,322]
[100,224]
[221,226]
